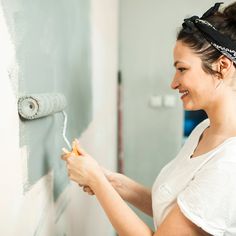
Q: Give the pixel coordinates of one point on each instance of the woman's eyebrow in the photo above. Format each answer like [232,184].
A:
[176,62]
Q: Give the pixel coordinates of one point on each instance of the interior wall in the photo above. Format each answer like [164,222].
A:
[35,211]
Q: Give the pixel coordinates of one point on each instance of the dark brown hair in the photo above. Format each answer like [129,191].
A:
[225,23]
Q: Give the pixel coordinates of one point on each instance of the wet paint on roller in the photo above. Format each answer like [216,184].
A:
[52,43]
[37,106]
[34,106]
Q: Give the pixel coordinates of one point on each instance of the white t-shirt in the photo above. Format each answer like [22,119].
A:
[204,187]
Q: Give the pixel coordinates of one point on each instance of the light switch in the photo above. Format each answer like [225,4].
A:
[169,100]
[156,101]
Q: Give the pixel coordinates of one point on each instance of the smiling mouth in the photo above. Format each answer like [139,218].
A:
[185,93]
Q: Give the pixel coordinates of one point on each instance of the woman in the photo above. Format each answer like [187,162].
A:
[195,193]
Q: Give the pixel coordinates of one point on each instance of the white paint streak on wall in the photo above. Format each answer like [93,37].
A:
[104,19]
[9,138]
[34,207]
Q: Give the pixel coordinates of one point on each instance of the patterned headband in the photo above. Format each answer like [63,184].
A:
[219,41]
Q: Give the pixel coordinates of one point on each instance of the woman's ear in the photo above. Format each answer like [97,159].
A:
[224,66]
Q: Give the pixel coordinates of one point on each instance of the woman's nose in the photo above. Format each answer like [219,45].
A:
[175,83]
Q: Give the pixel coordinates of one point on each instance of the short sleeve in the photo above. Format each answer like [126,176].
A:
[209,199]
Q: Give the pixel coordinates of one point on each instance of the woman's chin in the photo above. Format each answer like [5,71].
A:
[190,107]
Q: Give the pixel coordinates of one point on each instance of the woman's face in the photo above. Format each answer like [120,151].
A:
[195,86]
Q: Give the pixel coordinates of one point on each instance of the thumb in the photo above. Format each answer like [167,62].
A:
[80,150]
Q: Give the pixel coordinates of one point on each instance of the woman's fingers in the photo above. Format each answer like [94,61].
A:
[80,150]
[66,154]
[80,166]
[65,151]
[76,150]
[88,190]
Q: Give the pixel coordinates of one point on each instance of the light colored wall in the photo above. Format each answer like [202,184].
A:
[74,213]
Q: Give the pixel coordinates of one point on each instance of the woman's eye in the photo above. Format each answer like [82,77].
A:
[181,69]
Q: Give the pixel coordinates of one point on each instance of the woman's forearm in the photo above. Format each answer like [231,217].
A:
[124,220]
[132,192]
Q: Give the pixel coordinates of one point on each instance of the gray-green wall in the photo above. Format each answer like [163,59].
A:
[53,53]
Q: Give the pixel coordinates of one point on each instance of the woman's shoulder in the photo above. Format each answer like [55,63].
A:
[224,156]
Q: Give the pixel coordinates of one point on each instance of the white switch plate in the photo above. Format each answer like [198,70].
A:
[156,101]
[169,100]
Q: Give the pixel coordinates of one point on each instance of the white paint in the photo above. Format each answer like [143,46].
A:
[104,20]
[34,212]
[34,207]
[10,180]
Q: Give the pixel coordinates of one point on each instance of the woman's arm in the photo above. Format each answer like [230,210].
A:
[127,223]
[132,192]
[124,220]
[85,170]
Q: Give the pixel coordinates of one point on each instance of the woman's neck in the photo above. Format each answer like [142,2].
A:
[222,114]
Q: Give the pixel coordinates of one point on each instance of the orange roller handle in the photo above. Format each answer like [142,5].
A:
[73,151]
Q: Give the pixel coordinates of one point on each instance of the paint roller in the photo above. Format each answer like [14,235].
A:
[36,106]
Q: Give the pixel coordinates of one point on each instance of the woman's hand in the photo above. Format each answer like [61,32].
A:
[82,168]
[108,174]
[114,178]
